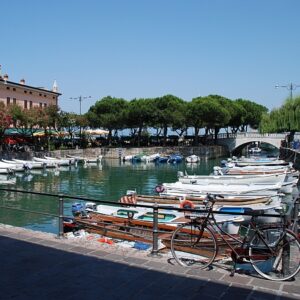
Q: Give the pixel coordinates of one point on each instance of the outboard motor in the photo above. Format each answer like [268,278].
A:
[78,209]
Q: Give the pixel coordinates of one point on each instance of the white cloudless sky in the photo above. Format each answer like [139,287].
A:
[149,48]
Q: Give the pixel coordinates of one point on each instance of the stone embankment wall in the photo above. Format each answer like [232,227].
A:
[205,152]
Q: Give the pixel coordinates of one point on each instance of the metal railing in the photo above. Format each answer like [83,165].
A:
[291,215]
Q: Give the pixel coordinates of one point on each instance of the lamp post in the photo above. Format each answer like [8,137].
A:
[80,98]
[291,87]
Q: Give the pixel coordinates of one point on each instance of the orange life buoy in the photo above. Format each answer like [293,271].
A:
[187,204]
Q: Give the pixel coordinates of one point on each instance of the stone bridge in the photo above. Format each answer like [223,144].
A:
[242,139]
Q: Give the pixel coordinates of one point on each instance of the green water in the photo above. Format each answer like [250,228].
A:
[108,180]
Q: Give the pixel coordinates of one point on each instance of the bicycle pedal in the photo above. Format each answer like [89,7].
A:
[232,273]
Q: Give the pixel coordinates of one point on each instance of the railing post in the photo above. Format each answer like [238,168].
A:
[154,251]
[295,215]
[60,216]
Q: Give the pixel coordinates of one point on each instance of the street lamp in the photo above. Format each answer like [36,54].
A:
[80,98]
[290,87]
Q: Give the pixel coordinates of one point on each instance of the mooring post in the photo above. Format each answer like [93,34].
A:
[60,216]
[154,251]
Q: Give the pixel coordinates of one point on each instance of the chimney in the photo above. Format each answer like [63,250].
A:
[22,81]
[5,77]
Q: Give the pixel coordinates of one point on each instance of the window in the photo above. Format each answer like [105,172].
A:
[14,89]
[45,104]
[30,93]
[14,101]
[40,94]
[25,104]
[41,104]
[8,101]
[25,92]
[45,95]
[30,104]
[8,88]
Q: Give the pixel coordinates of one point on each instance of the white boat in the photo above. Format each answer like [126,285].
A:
[8,168]
[192,159]
[49,162]
[169,217]
[31,164]
[71,161]
[150,158]
[205,179]
[221,188]
[254,150]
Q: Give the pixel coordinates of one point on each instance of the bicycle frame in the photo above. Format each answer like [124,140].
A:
[209,220]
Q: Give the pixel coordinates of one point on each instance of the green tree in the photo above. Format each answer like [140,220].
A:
[109,113]
[139,114]
[253,115]
[5,120]
[195,117]
[168,110]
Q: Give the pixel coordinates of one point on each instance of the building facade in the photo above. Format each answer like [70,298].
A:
[26,96]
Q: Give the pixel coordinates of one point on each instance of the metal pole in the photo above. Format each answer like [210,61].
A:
[154,251]
[60,216]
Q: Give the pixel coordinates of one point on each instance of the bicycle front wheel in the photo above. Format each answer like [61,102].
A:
[278,261]
[193,245]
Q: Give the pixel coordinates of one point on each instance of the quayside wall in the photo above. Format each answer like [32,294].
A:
[205,152]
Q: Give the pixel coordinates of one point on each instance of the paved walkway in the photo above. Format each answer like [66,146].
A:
[36,265]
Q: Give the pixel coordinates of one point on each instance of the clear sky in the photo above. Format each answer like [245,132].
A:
[149,48]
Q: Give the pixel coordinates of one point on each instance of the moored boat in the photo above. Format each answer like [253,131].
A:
[192,159]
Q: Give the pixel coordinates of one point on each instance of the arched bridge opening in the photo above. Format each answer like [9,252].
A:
[243,149]
[235,142]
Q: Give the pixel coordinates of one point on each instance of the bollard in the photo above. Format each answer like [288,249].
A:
[154,251]
[60,216]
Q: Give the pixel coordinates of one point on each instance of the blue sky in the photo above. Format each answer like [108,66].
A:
[149,48]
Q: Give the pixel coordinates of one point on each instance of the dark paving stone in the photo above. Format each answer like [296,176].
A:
[136,261]
[205,273]
[263,294]
[268,284]
[295,289]
[236,291]
[80,250]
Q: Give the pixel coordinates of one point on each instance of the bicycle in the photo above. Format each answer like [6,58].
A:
[272,249]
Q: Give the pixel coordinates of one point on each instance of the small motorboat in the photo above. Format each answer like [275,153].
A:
[175,158]
[192,159]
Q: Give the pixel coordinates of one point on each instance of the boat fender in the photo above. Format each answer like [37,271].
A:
[187,204]
[159,189]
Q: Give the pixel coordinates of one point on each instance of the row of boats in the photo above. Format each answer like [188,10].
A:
[258,187]
[18,165]
[160,158]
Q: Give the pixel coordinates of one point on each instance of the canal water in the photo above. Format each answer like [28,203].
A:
[108,180]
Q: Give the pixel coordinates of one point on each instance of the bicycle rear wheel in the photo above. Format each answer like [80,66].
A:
[281,261]
[193,246]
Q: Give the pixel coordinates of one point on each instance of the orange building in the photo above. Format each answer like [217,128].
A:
[26,96]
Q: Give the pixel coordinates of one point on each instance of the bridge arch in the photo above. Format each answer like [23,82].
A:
[235,141]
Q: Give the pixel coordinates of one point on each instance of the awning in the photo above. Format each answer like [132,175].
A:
[96,131]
